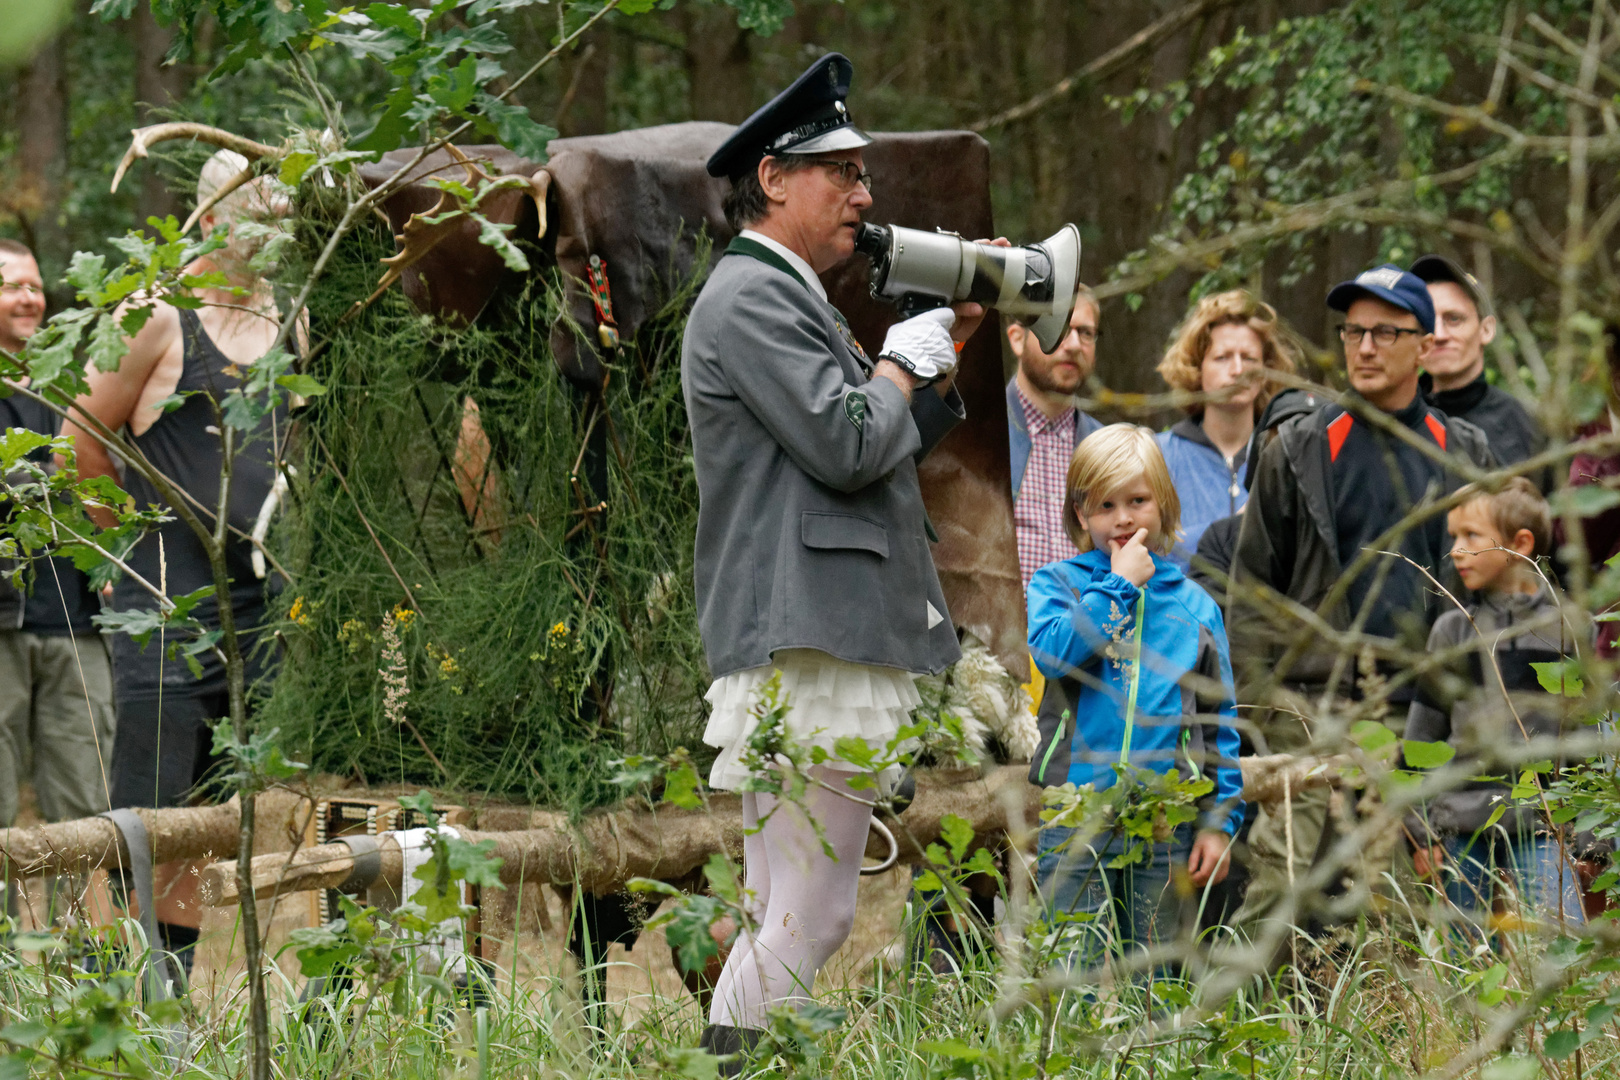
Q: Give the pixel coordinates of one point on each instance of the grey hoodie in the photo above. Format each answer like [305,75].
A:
[1468,708]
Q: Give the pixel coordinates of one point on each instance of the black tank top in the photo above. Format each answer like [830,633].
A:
[185,446]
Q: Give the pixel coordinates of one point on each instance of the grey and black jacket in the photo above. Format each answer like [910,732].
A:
[1288,548]
[1465,705]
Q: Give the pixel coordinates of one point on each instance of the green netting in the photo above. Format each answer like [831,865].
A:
[522,616]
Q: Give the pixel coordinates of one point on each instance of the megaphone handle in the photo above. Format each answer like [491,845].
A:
[912,304]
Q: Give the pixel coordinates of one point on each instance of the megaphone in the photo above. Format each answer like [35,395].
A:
[918,270]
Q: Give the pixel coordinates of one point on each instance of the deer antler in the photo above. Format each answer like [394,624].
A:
[142,139]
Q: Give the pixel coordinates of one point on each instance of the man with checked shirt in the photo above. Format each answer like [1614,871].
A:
[1044,425]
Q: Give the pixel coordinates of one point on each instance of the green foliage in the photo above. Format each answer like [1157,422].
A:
[1140,808]
[1560,676]
[1427,755]
[256,763]
[61,1021]
[1315,124]
[519,615]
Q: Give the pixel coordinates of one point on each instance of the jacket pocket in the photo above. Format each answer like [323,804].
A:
[1055,721]
[844,531]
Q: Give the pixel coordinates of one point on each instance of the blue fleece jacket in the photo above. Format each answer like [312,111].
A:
[1082,622]
[1209,488]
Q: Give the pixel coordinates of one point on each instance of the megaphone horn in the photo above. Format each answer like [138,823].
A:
[917,270]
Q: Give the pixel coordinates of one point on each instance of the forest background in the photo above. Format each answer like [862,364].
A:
[65,116]
[1170,129]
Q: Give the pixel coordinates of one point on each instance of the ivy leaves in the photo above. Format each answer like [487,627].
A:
[441,59]
[1315,125]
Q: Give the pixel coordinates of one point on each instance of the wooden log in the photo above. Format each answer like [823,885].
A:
[544,846]
[603,851]
[189,832]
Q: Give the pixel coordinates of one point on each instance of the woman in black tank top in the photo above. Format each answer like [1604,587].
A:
[184,444]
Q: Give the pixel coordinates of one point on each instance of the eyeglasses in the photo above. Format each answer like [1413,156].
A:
[1088,335]
[848,173]
[1383,334]
[21,287]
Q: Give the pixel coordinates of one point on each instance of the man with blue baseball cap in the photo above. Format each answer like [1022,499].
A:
[1330,488]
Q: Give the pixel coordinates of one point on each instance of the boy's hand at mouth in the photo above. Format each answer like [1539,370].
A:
[1131,560]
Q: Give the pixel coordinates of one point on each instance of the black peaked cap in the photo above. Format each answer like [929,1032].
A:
[810,116]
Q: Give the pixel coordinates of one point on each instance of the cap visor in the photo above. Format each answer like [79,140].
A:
[1431,269]
[848,137]
[1349,292]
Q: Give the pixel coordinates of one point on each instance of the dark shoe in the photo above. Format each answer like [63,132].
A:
[732,1045]
[180,942]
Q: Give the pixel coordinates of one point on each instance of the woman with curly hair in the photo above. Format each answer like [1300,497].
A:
[1217,353]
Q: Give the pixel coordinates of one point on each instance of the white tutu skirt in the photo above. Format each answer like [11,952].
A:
[828,699]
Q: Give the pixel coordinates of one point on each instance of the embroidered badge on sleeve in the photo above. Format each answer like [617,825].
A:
[855,408]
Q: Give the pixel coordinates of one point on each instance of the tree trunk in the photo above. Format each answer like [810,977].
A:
[157,86]
[601,852]
[719,72]
[42,124]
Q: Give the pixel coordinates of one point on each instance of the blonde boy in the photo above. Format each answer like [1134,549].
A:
[1121,597]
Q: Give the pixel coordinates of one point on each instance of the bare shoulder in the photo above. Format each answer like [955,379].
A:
[157,335]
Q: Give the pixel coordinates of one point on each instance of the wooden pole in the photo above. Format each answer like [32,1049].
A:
[599,852]
[604,850]
[188,832]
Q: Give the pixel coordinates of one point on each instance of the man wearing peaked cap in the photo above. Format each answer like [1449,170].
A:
[1328,487]
[809,117]
[812,561]
[1453,378]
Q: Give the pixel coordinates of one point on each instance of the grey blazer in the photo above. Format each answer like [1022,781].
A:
[811,531]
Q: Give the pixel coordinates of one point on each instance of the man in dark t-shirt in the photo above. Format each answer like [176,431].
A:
[56,700]
[1453,378]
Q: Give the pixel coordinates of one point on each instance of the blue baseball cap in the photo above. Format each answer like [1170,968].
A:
[1392,285]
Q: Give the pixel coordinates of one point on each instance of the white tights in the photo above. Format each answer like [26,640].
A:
[803,902]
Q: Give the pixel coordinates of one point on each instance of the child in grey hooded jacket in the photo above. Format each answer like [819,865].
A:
[1492,697]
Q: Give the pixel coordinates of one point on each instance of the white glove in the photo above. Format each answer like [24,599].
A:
[922,345]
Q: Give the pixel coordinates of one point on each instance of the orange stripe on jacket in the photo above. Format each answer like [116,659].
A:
[1437,429]
[1337,432]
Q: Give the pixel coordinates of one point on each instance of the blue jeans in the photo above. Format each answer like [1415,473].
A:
[1136,905]
[1544,880]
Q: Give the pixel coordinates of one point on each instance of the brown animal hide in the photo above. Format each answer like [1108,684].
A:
[455,276]
[640,200]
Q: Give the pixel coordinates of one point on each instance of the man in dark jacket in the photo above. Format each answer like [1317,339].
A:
[1332,485]
[1453,378]
[56,700]
[1217,547]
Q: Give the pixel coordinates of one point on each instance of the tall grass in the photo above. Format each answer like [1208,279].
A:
[1387,997]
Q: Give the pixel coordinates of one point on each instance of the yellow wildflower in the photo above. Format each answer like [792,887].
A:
[297,615]
[403,617]
[354,634]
